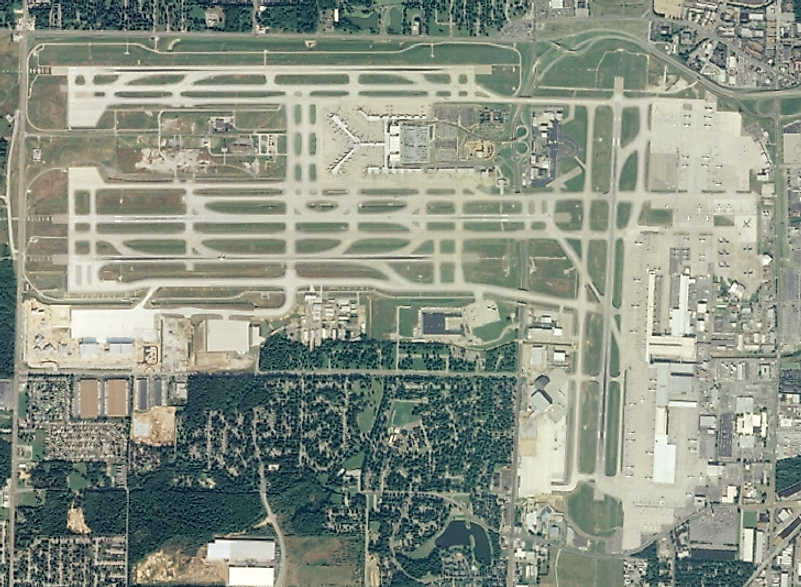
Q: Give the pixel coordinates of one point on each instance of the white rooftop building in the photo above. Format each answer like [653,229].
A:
[251,576]
[239,551]
[114,325]
[227,336]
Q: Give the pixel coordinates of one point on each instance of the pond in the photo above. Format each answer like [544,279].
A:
[461,533]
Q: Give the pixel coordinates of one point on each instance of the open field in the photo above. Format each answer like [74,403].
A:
[588,432]
[599,215]
[575,570]
[576,129]
[602,149]
[549,269]
[629,125]
[323,560]
[613,431]
[569,214]
[628,173]
[617,296]
[593,344]
[596,263]
[595,517]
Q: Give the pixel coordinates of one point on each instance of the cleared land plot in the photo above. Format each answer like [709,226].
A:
[247,207]
[491,261]
[602,149]
[550,271]
[588,433]
[628,173]
[612,429]
[596,263]
[140,202]
[594,517]
[629,125]
[593,343]
[599,215]
[257,246]
[617,296]
[569,214]
[655,216]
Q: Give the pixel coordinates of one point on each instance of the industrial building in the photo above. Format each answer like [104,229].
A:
[251,576]
[240,551]
[116,398]
[227,336]
[88,398]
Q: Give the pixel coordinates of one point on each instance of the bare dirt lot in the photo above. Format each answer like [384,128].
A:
[173,566]
[160,424]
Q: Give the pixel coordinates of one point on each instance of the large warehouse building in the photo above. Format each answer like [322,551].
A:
[251,576]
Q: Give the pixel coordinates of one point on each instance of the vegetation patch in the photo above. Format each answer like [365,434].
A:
[596,264]
[612,437]
[655,216]
[628,173]
[602,149]
[595,517]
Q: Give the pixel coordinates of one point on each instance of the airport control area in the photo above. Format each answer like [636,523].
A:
[334,311]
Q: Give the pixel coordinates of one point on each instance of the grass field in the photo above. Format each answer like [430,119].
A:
[591,516]
[612,447]
[614,358]
[655,216]
[623,214]
[596,263]
[550,271]
[376,246]
[602,149]
[593,343]
[140,227]
[628,173]
[576,129]
[140,202]
[373,392]
[252,246]
[594,64]
[308,246]
[575,570]
[323,560]
[158,247]
[492,261]
[617,295]
[599,215]
[629,125]
[402,413]
[47,109]
[247,207]
[569,214]
[588,431]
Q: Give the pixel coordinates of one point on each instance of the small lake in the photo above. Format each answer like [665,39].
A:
[463,533]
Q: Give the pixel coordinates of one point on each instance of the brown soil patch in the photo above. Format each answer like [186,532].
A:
[116,398]
[173,566]
[159,423]
[75,522]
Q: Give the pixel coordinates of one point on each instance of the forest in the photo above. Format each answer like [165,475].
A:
[788,475]
[8,317]
[189,518]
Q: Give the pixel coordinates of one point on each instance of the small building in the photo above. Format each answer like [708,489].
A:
[251,576]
